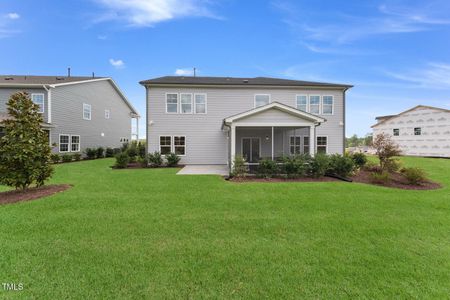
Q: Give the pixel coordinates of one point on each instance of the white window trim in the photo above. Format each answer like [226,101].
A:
[254,99]
[79,143]
[59,143]
[41,108]
[85,105]
[316,143]
[299,145]
[332,106]
[309,104]
[192,106]
[307,101]
[172,143]
[206,104]
[178,103]
[109,114]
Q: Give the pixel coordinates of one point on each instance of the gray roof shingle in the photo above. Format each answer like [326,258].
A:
[27,79]
[263,81]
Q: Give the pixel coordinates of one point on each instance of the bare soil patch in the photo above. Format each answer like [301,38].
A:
[32,193]
[397,181]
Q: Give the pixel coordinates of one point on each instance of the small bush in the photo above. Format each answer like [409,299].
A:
[340,165]
[91,153]
[318,165]
[55,158]
[381,178]
[100,152]
[392,165]
[155,159]
[414,176]
[267,168]
[77,156]
[122,160]
[239,167]
[116,151]
[294,166]
[172,159]
[141,150]
[124,147]
[109,152]
[66,158]
[132,149]
[359,159]
[143,161]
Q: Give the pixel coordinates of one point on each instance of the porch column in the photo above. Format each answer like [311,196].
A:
[312,139]
[137,128]
[233,144]
[272,144]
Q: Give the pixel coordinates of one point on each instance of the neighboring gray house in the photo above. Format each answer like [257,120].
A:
[419,131]
[78,112]
[209,120]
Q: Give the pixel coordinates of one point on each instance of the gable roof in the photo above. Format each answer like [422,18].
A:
[237,81]
[275,105]
[384,119]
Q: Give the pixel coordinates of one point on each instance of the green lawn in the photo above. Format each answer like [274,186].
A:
[151,234]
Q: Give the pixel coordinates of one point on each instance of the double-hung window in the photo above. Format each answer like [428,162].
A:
[417,131]
[302,102]
[75,143]
[64,141]
[165,144]
[200,103]
[306,144]
[261,100]
[87,111]
[295,145]
[322,144]
[186,103]
[396,132]
[314,104]
[172,103]
[179,145]
[327,105]
[38,99]
[175,144]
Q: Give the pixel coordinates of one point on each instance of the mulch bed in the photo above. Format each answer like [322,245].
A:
[397,181]
[137,165]
[32,193]
[303,179]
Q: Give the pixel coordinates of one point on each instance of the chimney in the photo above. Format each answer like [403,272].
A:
[93,75]
[68,72]
[195,72]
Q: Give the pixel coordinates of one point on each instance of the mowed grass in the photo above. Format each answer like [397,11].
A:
[152,234]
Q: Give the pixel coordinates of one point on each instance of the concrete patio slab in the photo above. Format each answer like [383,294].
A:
[221,170]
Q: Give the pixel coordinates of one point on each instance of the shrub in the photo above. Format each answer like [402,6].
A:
[132,149]
[294,166]
[239,167]
[124,147]
[100,152]
[381,178]
[318,165]
[340,165]
[116,151]
[55,158]
[66,158]
[155,159]
[91,153]
[359,159]
[122,160]
[109,152]
[143,161]
[141,150]
[77,156]
[386,149]
[172,159]
[392,165]
[267,168]
[414,176]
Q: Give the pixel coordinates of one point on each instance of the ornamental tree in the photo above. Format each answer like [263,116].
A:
[386,149]
[24,149]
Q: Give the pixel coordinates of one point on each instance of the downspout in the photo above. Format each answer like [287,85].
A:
[345,121]
[147,127]
[228,145]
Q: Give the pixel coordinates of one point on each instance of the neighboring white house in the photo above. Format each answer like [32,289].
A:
[419,131]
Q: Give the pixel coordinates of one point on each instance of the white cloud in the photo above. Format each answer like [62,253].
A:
[13,16]
[117,63]
[102,37]
[144,13]
[432,76]
[184,72]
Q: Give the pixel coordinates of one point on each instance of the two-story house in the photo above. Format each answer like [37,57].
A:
[78,112]
[210,120]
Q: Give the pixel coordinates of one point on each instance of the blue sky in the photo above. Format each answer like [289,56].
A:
[396,53]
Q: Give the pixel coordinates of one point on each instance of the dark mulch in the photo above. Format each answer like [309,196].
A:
[32,193]
[137,165]
[397,181]
[303,179]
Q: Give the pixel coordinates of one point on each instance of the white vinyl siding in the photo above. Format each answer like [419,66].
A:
[327,105]
[200,103]
[87,111]
[107,114]
[186,103]
[314,104]
[302,102]
[38,99]
[261,100]
[172,103]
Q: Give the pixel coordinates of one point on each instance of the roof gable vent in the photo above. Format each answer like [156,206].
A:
[245,81]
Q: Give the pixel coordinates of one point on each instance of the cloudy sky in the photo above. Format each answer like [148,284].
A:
[395,53]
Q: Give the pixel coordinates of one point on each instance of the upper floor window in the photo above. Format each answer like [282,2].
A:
[186,103]
[87,111]
[200,103]
[314,104]
[171,103]
[261,100]
[417,131]
[107,113]
[302,102]
[322,144]
[39,100]
[396,132]
[327,105]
